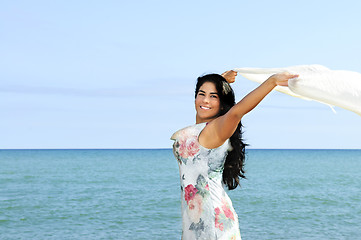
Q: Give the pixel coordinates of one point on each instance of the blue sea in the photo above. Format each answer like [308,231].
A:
[135,194]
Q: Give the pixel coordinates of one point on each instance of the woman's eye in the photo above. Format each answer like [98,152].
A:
[214,96]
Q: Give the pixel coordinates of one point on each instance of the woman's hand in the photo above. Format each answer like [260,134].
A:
[230,76]
[281,79]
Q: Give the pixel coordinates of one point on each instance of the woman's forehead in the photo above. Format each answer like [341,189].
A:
[208,87]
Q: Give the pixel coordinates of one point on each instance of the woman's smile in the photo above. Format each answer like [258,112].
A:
[205,108]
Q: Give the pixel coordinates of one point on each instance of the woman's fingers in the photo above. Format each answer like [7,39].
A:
[230,76]
[282,78]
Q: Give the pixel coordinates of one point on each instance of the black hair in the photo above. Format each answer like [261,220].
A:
[233,166]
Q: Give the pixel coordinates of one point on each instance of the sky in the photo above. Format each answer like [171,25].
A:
[121,74]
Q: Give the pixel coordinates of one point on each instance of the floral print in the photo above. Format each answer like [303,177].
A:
[223,215]
[188,147]
[195,196]
[190,192]
[207,211]
[227,212]
[195,208]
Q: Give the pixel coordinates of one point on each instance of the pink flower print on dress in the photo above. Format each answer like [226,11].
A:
[195,208]
[223,216]
[217,211]
[216,222]
[227,211]
[188,147]
[189,193]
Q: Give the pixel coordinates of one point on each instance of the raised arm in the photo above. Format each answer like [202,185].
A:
[223,127]
[252,99]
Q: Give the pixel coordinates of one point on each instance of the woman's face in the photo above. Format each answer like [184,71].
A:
[207,103]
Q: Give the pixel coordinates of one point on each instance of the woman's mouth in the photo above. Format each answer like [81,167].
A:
[205,108]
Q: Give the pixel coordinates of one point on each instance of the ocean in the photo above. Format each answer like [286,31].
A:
[135,194]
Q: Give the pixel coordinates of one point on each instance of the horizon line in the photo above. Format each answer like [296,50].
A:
[171,149]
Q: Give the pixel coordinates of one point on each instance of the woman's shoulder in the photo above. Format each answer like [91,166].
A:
[194,129]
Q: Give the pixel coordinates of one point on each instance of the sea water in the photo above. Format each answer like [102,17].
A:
[135,194]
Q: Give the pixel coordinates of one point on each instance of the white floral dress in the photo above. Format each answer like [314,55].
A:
[207,210]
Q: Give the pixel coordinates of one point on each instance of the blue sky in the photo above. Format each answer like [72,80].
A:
[121,74]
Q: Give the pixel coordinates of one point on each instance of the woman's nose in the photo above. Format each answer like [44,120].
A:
[206,99]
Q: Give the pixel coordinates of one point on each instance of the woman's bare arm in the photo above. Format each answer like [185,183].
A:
[223,127]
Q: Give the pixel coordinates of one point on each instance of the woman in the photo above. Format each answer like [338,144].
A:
[210,155]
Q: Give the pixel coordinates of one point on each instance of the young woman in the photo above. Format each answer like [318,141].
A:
[210,155]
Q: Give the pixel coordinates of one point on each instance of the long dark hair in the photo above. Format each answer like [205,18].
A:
[233,166]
